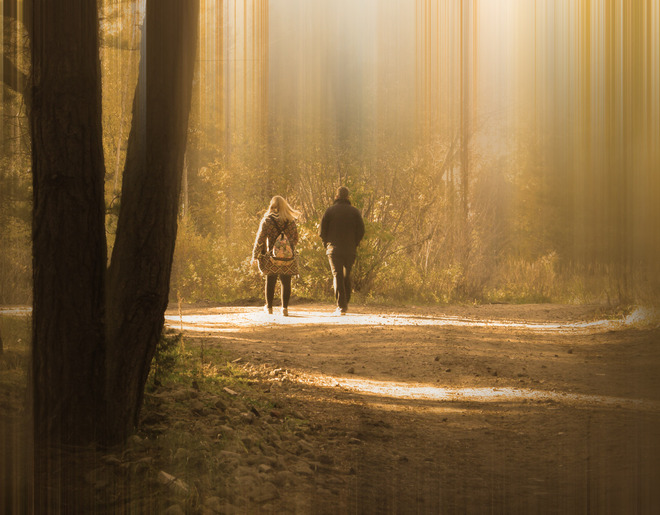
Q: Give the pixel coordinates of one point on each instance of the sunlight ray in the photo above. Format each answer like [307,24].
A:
[243,317]
[420,391]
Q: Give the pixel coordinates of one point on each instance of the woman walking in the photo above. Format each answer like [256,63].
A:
[274,250]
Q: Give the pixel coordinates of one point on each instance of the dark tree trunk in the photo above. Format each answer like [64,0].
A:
[69,248]
[139,274]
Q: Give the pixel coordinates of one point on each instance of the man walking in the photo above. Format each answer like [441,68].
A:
[342,229]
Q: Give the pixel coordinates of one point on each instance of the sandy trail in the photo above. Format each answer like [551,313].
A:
[528,409]
[227,320]
[217,319]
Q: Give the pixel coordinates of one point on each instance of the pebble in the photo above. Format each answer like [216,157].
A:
[229,509]
[304,447]
[264,469]
[214,503]
[111,459]
[98,478]
[229,454]
[247,418]
[320,491]
[268,450]
[249,441]
[245,471]
[284,478]
[302,468]
[247,482]
[134,440]
[181,455]
[334,481]
[256,459]
[266,492]
[182,395]
[176,485]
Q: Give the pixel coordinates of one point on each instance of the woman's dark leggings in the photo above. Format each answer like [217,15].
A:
[271,280]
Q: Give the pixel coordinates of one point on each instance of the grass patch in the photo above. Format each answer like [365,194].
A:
[15,331]
[14,363]
[189,362]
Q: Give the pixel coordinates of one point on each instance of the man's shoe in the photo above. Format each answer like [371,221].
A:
[285,312]
[268,310]
[340,311]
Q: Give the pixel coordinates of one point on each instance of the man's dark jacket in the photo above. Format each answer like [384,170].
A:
[342,228]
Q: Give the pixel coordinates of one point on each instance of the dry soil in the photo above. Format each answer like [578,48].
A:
[464,409]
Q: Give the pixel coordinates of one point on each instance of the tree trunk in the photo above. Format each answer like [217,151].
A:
[139,273]
[185,199]
[69,248]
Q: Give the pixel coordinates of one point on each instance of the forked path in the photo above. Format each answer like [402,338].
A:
[527,409]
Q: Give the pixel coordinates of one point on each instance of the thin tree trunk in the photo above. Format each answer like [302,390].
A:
[139,273]
[185,199]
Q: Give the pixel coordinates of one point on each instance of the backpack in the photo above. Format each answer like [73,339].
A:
[281,252]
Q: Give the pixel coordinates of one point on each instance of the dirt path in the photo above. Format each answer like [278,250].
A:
[491,409]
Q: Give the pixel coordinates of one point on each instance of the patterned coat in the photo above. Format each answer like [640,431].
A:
[266,236]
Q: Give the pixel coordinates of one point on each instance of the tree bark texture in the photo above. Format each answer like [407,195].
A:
[69,248]
[139,273]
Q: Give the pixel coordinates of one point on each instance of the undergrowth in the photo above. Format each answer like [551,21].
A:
[14,362]
[178,361]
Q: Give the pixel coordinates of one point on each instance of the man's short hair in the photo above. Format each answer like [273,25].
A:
[342,192]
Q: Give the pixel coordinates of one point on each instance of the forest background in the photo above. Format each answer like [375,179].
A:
[498,154]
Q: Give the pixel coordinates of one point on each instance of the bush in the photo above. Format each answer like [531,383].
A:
[167,355]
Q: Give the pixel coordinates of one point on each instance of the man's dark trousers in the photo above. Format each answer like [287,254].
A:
[341,264]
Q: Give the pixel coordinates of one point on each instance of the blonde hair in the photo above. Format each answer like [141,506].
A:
[281,208]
